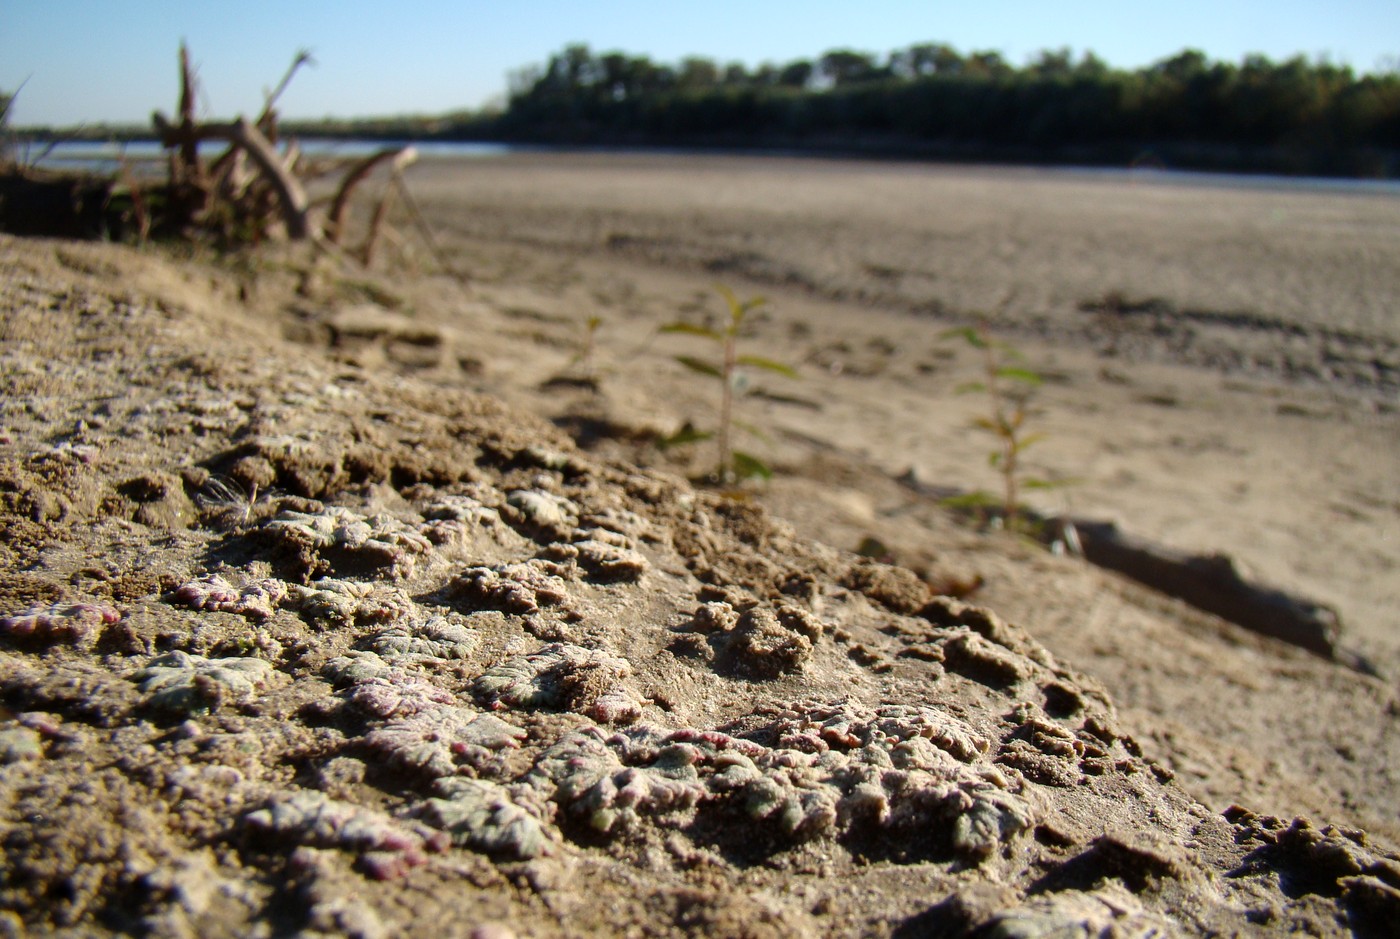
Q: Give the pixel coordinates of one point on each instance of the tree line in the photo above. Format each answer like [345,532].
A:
[1301,115]
[931,100]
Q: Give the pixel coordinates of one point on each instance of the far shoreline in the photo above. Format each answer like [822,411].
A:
[106,154]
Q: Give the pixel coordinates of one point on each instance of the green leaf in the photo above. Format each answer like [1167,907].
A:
[750,467]
[1048,483]
[966,333]
[687,434]
[737,309]
[987,424]
[1028,441]
[757,361]
[752,430]
[701,366]
[690,329]
[970,388]
[1019,374]
[972,500]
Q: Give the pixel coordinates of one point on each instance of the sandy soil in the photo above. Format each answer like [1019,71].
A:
[1280,447]
[455,670]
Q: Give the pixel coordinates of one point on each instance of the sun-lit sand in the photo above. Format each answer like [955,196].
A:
[351,602]
[1251,409]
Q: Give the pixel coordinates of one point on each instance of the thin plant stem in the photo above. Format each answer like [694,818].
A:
[1006,427]
[726,407]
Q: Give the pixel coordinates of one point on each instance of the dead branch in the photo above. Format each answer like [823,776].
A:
[290,193]
[303,57]
[234,175]
[335,221]
[426,231]
[189,146]
[138,202]
[292,159]
[376,224]
[240,195]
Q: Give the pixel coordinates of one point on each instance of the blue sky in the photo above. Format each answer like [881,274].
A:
[114,60]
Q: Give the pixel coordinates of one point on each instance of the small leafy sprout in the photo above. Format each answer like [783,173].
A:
[1009,386]
[582,361]
[732,465]
[581,371]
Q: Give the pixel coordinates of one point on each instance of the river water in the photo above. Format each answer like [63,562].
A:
[108,157]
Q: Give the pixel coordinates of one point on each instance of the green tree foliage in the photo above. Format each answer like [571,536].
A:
[795,74]
[931,98]
[842,68]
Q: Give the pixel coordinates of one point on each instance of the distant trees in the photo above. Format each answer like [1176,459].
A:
[924,59]
[842,68]
[795,74]
[931,98]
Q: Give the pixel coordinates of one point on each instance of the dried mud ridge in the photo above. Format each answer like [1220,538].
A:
[289,646]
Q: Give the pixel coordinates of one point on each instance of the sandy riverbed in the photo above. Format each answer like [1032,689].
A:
[1251,409]
[1239,396]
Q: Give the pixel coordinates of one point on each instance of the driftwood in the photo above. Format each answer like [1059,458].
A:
[426,231]
[398,159]
[269,113]
[252,186]
[291,195]
[255,189]
[189,146]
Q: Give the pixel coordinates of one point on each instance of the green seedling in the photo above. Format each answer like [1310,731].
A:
[581,370]
[732,465]
[1009,386]
[582,361]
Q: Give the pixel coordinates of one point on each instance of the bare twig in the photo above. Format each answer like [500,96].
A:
[426,231]
[242,193]
[48,148]
[7,101]
[189,145]
[376,223]
[303,57]
[138,201]
[290,193]
[335,220]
